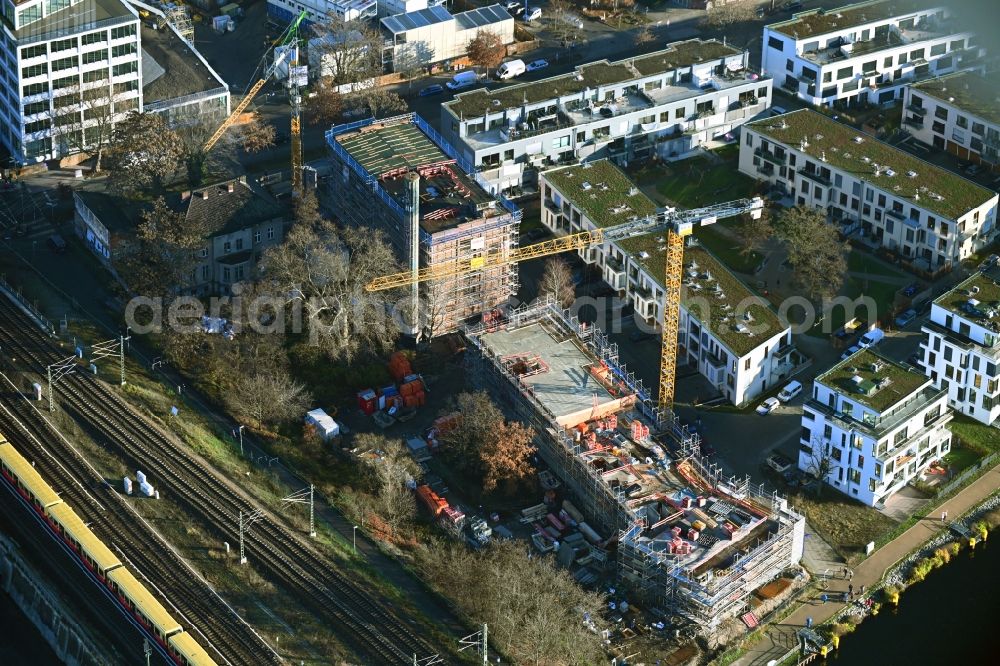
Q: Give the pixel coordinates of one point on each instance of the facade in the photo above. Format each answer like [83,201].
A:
[957,113]
[679,527]
[961,351]
[421,38]
[69,66]
[242,222]
[286,11]
[873,425]
[398,176]
[665,103]
[866,52]
[885,196]
[728,333]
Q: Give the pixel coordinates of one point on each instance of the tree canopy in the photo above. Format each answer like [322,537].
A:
[817,255]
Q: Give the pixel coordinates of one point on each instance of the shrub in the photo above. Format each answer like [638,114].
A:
[954,547]
[981,529]
[842,628]
[992,519]
[891,593]
[943,554]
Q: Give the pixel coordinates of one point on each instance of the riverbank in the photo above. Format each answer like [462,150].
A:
[780,638]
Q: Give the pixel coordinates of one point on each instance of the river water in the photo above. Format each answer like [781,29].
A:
[952,617]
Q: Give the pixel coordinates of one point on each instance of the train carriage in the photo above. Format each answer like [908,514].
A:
[187,652]
[92,550]
[143,605]
[23,476]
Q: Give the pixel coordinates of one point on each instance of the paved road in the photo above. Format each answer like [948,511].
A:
[782,636]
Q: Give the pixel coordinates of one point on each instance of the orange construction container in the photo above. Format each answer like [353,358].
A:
[399,366]
[410,400]
[421,398]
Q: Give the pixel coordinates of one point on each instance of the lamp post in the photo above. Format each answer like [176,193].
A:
[355,533]
[241,439]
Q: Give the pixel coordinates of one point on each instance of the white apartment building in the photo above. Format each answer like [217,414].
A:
[866,52]
[961,351]
[665,103]
[931,217]
[872,425]
[728,333]
[958,113]
[65,62]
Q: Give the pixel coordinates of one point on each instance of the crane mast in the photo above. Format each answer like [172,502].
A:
[678,224]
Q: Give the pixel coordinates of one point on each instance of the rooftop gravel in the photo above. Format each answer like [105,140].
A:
[983,287]
[820,22]
[931,187]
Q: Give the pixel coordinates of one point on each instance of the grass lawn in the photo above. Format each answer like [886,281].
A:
[961,458]
[883,294]
[864,263]
[696,182]
[727,250]
[979,437]
[845,524]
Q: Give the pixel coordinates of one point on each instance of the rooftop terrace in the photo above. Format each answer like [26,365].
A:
[976,299]
[968,91]
[183,72]
[820,22]
[899,173]
[602,192]
[860,376]
[681,54]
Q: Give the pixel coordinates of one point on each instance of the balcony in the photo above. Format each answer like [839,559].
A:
[815,177]
[770,157]
[915,122]
[918,110]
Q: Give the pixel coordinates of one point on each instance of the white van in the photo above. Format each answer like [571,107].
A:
[871,338]
[510,69]
[465,79]
[792,389]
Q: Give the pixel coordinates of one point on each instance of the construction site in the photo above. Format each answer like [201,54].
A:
[398,176]
[682,537]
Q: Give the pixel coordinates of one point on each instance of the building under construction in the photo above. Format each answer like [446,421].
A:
[397,175]
[687,540]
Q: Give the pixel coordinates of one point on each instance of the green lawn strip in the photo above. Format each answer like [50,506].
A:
[979,437]
[728,251]
[961,458]
[860,262]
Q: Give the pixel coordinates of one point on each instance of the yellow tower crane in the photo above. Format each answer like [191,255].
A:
[678,224]
[289,38]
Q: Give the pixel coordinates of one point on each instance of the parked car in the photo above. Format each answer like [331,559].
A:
[973,169]
[792,389]
[532,13]
[779,462]
[911,290]
[465,79]
[768,406]
[537,64]
[905,318]
[56,243]
[849,352]
[435,89]
[516,11]
[871,338]
[513,4]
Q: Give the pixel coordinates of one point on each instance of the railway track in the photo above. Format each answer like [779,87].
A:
[203,613]
[364,622]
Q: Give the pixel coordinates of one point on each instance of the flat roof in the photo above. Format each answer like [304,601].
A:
[679,54]
[418,19]
[78,18]
[976,299]
[384,148]
[567,387]
[822,21]
[977,95]
[736,316]
[482,17]
[184,73]
[921,183]
[856,378]
[602,191]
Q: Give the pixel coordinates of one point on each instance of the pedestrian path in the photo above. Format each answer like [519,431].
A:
[780,638]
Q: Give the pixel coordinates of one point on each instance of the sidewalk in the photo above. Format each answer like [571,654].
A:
[781,637]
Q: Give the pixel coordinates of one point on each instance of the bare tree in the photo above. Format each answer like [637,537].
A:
[267,397]
[565,24]
[487,50]
[142,154]
[85,117]
[557,281]
[326,103]
[390,472]
[325,270]
[644,36]
[160,260]
[815,251]
[754,233]
[256,135]
[820,464]
[727,12]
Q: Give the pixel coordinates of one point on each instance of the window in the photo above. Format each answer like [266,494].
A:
[63,44]
[204,273]
[887,63]
[34,70]
[95,75]
[53,6]
[225,274]
[941,112]
[775,43]
[746,364]
[35,89]
[127,105]
[239,243]
[871,485]
[270,233]
[37,126]
[91,57]
[127,86]
[845,73]
[256,236]
[869,66]
[978,128]
[878,469]
[836,454]
[33,51]
[561,142]
[679,112]
[227,247]
[827,77]
[35,107]
[122,49]
[64,63]
[124,68]
[124,31]
[939,49]
[95,38]
[916,54]
[95,112]
[962,122]
[854,476]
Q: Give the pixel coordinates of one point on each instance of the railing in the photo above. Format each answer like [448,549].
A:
[73,30]
[186,99]
[28,307]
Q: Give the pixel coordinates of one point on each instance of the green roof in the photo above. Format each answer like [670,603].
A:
[931,188]
[699,263]
[476,103]
[602,192]
[383,148]
[974,94]
[983,287]
[820,21]
[902,382]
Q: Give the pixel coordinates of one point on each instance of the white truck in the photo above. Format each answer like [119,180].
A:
[511,69]
[464,79]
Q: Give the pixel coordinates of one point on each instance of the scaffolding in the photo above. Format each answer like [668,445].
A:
[705,591]
[178,17]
